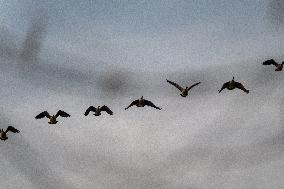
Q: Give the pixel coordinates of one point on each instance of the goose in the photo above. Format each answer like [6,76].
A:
[141,103]
[52,119]
[98,110]
[3,134]
[184,91]
[278,66]
[230,85]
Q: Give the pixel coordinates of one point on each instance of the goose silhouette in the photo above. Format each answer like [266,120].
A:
[3,134]
[278,66]
[98,110]
[141,103]
[52,119]
[184,91]
[230,85]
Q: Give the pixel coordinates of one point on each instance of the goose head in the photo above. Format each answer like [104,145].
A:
[233,80]
[140,102]
[141,99]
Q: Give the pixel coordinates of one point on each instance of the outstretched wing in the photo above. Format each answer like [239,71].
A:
[62,114]
[176,85]
[224,86]
[12,129]
[42,115]
[269,62]
[194,85]
[105,108]
[132,104]
[91,108]
[149,103]
[240,86]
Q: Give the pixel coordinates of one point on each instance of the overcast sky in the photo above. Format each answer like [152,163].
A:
[112,52]
[146,33]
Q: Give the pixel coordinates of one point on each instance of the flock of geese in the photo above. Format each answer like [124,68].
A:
[141,102]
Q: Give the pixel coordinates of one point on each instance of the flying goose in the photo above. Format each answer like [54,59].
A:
[184,91]
[279,67]
[98,110]
[3,134]
[141,103]
[230,85]
[52,119]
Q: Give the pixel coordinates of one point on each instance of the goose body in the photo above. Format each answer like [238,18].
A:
[184,91]
[52,118]
[97,111]
[141,103]
[3,134]
[278,66]
[231,85]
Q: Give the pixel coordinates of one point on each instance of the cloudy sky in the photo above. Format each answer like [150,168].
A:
[72,54]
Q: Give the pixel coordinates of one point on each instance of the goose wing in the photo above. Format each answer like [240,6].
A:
[269,62]
[132,104]
[240,86]
[194,85]
[105,108]
[176,85]
[224,86]
[91,108]
[12,129]
[42,115]
[62,114]
[149,103]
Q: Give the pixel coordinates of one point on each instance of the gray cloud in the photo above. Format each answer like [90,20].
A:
[34,36]
[194,142]
[275,12]
[8,44]
[27,161]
